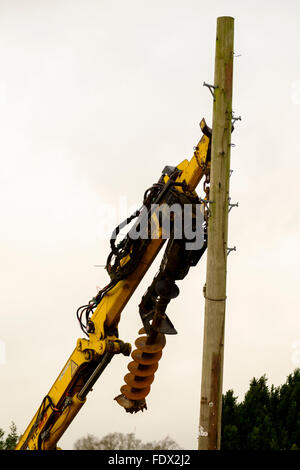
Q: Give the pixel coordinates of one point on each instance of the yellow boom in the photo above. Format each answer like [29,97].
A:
[92,354]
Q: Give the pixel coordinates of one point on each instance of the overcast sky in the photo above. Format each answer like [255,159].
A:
[96,97]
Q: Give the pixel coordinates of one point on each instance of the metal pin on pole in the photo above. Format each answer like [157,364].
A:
[229,250]
[211,88]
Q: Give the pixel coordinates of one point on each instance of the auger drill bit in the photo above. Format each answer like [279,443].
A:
[147,354]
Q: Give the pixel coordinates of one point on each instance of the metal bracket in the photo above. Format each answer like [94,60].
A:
[210,87]
[233,119]
[230,249]
[231,205]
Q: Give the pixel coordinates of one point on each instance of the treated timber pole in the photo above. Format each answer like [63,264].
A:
[215,288]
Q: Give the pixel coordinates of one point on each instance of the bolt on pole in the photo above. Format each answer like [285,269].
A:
[215,288]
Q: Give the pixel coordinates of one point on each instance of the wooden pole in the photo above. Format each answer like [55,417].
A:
[215,289]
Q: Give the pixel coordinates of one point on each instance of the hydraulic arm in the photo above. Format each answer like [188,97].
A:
[127,263]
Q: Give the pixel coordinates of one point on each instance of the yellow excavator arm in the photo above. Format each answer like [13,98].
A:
[126,265]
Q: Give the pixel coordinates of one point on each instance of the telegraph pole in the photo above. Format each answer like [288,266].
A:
[215,288]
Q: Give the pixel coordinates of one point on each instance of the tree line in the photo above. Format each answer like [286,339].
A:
[267,419]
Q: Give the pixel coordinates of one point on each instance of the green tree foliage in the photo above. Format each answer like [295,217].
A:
[10,442]
[267,419]
[230,419]
[119,441]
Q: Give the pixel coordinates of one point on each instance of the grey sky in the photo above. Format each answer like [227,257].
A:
[96,97]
